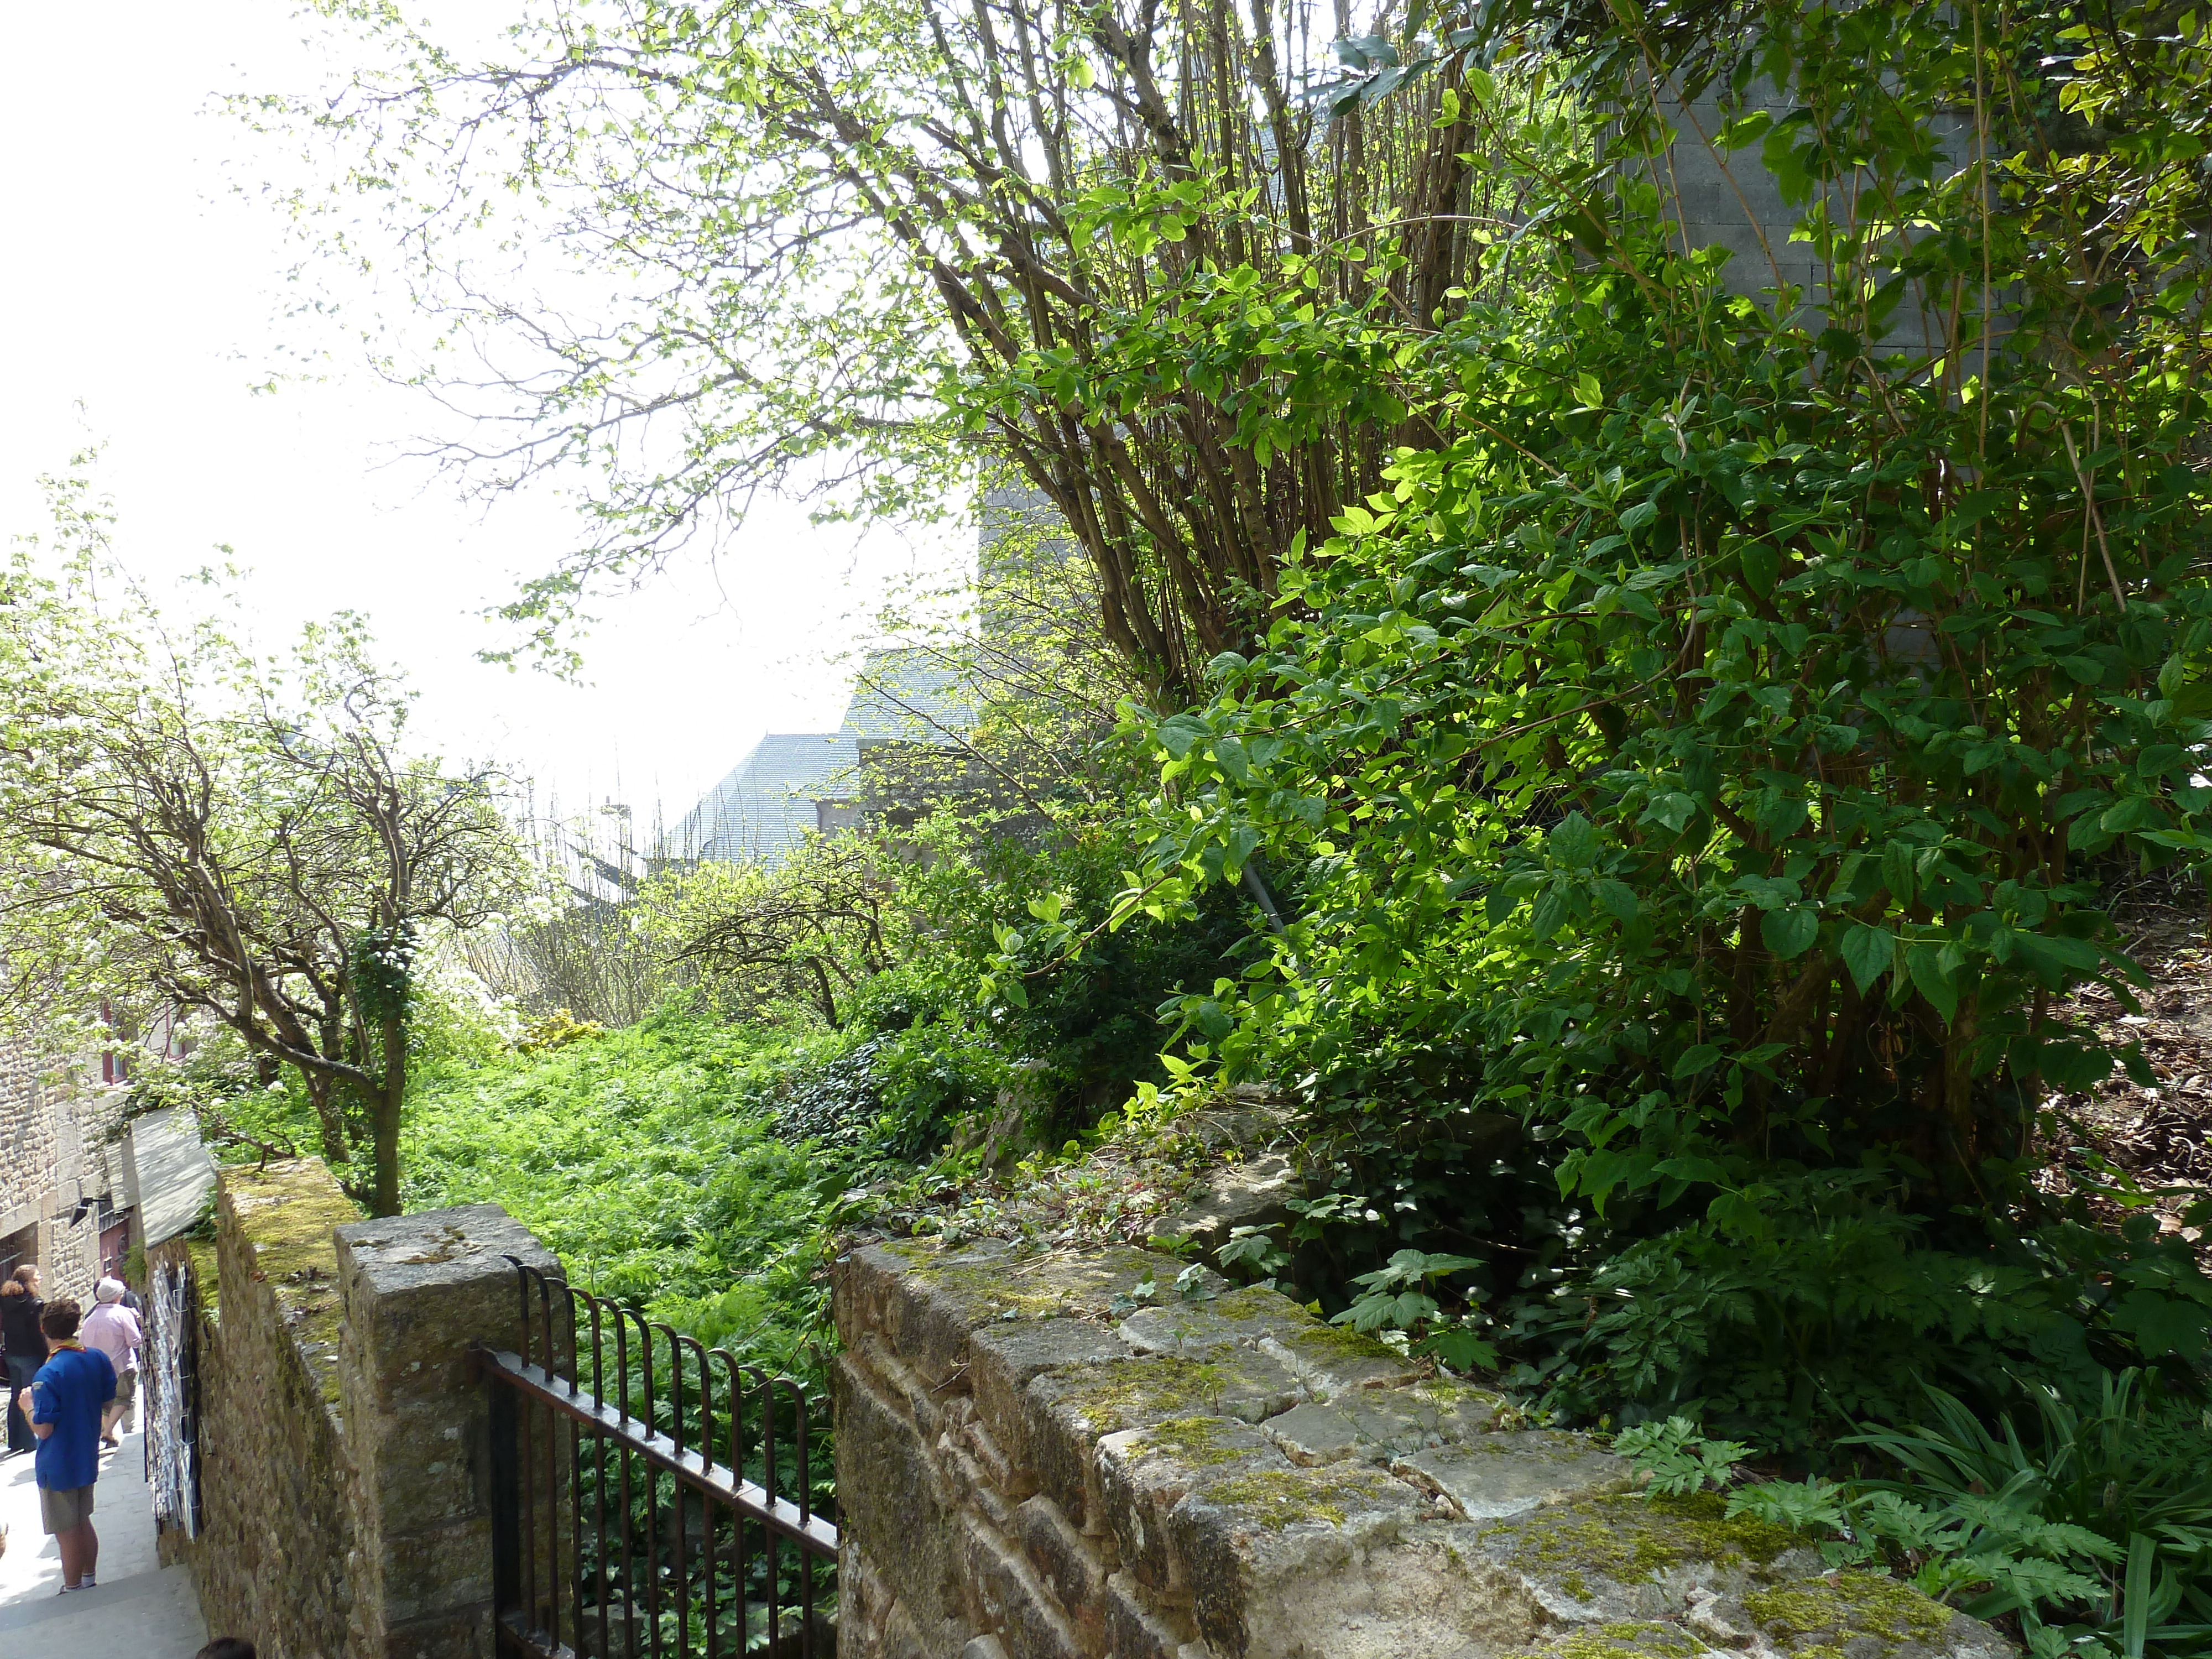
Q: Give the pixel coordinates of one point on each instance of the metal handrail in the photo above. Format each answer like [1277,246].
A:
[542,1580]
[717,1481]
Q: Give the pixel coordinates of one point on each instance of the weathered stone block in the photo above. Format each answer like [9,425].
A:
[1502,1474]
[1065,1413]
[1003,1356]
[943,1296]
[888,1495]
[1133,1629]
[1242,1319]
[1376,1425]
[1266,1551]
[1143,1474]
[1073,1568]
[1329,1360]
[1256,1194]
[1010,1600]
[466,1634]
[421,1290]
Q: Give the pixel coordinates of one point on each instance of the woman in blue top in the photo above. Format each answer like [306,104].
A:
[67,1398]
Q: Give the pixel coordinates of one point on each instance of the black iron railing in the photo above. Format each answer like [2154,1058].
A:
[652,1498]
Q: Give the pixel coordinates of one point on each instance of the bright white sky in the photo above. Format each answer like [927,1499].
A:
[137,284]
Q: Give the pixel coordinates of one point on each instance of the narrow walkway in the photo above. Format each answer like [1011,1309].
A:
[138,1611]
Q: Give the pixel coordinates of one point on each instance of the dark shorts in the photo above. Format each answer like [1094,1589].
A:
[64,1511]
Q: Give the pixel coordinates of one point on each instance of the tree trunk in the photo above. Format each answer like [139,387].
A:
[328,1119]
[385,1109]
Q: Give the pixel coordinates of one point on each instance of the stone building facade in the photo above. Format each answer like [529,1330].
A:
[63,1200]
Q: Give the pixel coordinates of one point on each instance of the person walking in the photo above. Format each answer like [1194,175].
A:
[114,1329]
[68,1398]
[25,1345]
[114,1270]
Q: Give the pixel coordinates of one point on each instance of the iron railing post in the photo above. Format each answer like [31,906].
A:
[504,1404]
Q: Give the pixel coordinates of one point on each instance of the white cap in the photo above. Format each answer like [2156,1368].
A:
[109,1290]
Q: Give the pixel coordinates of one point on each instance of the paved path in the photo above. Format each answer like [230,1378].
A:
[137,1612]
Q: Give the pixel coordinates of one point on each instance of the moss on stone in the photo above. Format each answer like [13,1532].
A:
[207,1273]
[1629,1539]
[1254,1303]
[287,1213]
[1194,1441]
[1030,1286]
[1338,1342]
[988,1289]
[1114,1395]
[1620,1641]
[1282,1498]
[1848,1604]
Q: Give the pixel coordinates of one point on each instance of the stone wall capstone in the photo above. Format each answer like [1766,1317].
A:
[1025,1473]
[419,1291]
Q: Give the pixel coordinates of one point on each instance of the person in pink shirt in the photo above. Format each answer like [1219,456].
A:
[114,1329]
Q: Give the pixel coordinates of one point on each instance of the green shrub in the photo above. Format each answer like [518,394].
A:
[1710,726]
[1816,1305]
[2089,1521]
[652,1161]
[1087,1021]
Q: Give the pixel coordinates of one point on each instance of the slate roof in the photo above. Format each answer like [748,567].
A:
[913,694]
[766,806]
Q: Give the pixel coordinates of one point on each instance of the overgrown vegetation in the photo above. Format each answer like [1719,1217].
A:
[1629,751]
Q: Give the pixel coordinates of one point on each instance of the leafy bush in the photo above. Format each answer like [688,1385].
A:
[896,1092]
[1003,916]
[651,1161]
[1814,1306]
[1709,731]
[1677,1459]
[2092,1524]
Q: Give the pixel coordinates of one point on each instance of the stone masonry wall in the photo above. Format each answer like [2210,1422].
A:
[49,1130]
[271,1559]
[344,1453]
[1024,1473]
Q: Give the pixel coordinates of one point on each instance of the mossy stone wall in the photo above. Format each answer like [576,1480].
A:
[273,1559]
[344,1457]
[1024,1472]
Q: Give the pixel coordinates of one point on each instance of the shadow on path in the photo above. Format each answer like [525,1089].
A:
[137,1612]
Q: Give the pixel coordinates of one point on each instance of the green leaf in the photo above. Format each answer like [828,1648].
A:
[1760,562]
[1574,841]
[2134,1606]
[1616,898]
[1461,1349]
[1693,1061]
[2162,1325]
[1933,980]
[1178,733]
[1790,933]
[1547,913]
[1867,952]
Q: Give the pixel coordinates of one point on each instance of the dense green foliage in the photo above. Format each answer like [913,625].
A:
[652,1161]
[1652,833]
[2090,1523]
[1835,1305]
